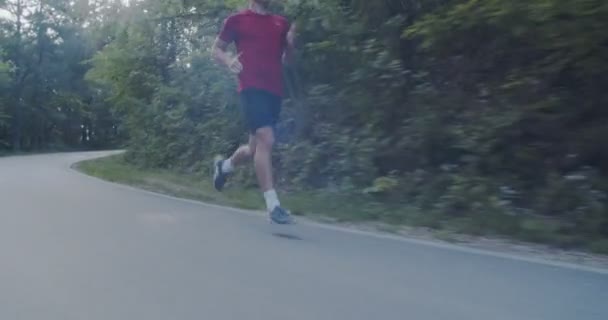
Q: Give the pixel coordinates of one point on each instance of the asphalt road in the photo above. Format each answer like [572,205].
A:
[74,247]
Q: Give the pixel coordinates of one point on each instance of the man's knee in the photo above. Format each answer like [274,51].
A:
[245,151]
[264,137]
[248,151]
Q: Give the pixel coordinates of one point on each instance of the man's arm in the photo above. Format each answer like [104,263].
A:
[289,54]
[221,55]
[228,34]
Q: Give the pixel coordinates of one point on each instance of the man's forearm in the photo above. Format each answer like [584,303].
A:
[221,56]
[289,54]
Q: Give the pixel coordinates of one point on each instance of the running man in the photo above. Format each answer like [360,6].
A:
[262,41]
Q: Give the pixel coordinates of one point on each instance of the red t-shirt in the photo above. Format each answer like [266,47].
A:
[261,40]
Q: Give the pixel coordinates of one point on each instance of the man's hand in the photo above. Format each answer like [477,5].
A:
[235,65]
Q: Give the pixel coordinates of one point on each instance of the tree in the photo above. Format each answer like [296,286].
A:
[45,44]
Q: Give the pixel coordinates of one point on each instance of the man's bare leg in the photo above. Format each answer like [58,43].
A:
[223,168]
[243,154]
[264,140]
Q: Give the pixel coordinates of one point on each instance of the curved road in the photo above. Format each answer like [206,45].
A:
[74,247]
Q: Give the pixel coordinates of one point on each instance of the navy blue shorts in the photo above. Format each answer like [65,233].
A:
[260,108]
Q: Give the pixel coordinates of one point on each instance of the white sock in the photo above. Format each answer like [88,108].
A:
[272,200]
[227,166]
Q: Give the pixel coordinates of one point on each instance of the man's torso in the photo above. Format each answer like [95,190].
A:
[260,41]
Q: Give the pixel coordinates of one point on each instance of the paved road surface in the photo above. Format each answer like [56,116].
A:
[74,247]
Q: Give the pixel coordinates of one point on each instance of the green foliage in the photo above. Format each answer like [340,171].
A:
[5,74]
[382,185]
[600,246]
[5,78]
[44,100]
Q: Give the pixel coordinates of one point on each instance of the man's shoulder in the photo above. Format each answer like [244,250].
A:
[237,15]
[246,13]
[281,20]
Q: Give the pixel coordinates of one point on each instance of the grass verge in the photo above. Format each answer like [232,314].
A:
[329,207]
[116,169]
[197,187]
[336,207]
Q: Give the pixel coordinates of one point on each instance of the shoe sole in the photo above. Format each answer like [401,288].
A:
[292,222]
[216,173]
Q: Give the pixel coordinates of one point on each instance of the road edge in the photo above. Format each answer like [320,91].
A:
[351,230]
